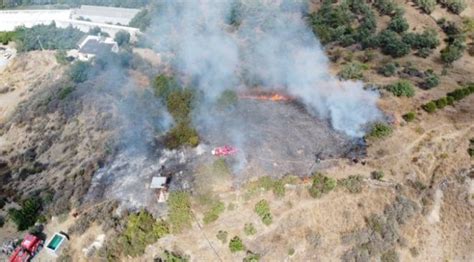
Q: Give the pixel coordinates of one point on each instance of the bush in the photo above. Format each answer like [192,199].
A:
[122,38]
[402,88]
[426,5]
[141,20]
[179,215]
[390,256]
[392,45]
[3,202]
[163,85]
[388,70]
[424,52]
[2,221]
[222,236]
[227,99]
[385,7]
[451,53]
[279,188]
[181,135]
[398,24]
[377,175]
[47,37]
[141,230]
[353,184]
[65,92]
[213,214]
[441,103]
[353,70]
[6,37]
[427,39]
[429,107]
[27,215]
[251,257]
[169,256]
[249,229]
[380,130]
[456,6]
[263,211]
[79,71]
[321,185]
[410,116]
[179,103]
[430,80]
[236,245]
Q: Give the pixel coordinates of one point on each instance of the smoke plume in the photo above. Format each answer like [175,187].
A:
[269,45]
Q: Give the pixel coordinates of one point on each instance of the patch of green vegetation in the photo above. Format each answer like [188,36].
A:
[262,208]
[213,213]
[452,52]
[64,92]
[291,251]
[61,57]
[122,38]
[321,185]
[47,37]
[6,37]
[79,71]
[179,215]
[27,215]
[251,257]
[377,175]
[141,230]
[2,221]
[222,236]
[353,70]
[429,107]
[388,70]
[427,6]
[398,24]
[268,183]
[430,80]
[169,256]
[454,6]
[182,134]
[380,130]
[141,20]
[441,103]
[353,184]
[470,150]
[391,44]
[249,229]
[409,117]
[236,244]
[402,88]
[427,39]
[227,99]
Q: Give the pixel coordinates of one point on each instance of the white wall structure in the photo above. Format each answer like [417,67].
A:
[104,14]
[10,19]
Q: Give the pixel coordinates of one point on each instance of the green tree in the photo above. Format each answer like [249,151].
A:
[380,130]
[27,215]
[236,244]
[79,71]
[249,229]
[398,24]
[122,38]
[427,6]
[402,88]
[429,107]
[321,185]
[392,45]
[451,53]
[179,215]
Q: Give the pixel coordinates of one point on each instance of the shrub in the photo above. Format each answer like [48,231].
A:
[353,70]
[398,24]
[214,212]
[387,70]
[122,38]
[179,215]
[262,208]
[141,20]
[236,245]
[169,256]
[402,88]
[470,151]
[392,45]
[64,92]
[222,236]
[179,103]
[424,52]
[427,39]
[267,219]
[180,135]
[353,184]
[141,230]
[249,229]
[163,85]
[430,80]
[227,99]
[3,202]
[441,103]
[321,185]
[456,6]
[279,188]
[380,130]
[377,175]
[27,215]
[251,257]
[6,37]
[47,37]
[390,256]
[385,7]
[79,71]
[451,53]
[426,5]
[429,107]
[2,221]
[410,116]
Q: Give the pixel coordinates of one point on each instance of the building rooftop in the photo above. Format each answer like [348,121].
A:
[158,182]
[92,44]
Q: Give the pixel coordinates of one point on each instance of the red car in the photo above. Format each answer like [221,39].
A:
[224,151]
[29,247]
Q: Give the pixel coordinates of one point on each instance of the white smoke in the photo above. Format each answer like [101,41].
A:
[272,46]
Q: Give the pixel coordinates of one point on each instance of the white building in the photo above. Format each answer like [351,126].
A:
[91,45]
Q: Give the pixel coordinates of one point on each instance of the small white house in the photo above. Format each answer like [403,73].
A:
[159,184]
[91,45]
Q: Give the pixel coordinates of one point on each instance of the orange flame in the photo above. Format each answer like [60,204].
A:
[269,97]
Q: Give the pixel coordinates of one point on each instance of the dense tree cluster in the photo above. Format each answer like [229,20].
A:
[46,37]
